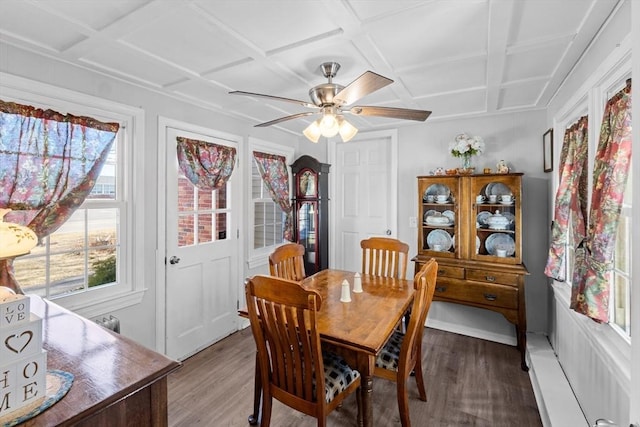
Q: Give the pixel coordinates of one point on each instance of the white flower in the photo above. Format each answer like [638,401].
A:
[465,145]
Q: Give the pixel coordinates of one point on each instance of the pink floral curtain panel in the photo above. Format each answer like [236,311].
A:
[49,162]
[571,198]
[594,257]
[273,170]
[208,166]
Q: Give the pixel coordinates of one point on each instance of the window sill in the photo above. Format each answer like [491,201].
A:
[94,307]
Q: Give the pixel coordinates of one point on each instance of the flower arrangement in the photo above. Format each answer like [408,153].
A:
[466,146]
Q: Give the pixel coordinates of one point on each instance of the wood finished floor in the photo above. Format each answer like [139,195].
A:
[470,382]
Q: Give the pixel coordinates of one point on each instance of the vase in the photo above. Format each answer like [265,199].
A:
[466,161]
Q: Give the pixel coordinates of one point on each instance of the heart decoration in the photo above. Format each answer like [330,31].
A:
[17,343]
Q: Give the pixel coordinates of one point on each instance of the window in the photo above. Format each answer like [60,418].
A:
[266,217]
[621,273]
[620,299]
[86,264]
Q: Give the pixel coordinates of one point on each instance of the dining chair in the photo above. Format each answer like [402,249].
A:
[287,262]
[384,256]
[402,354]
[283,321]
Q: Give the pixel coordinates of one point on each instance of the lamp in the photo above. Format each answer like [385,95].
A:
[16,239]
[329,125]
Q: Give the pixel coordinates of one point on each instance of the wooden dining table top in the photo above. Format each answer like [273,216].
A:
[366,322]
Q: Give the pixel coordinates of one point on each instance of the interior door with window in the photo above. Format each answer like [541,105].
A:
[365,194]
[201,255]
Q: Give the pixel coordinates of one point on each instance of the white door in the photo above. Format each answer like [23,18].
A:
[201,264]
[364,186]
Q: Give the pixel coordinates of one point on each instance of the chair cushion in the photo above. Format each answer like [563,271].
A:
[390,354]
[337,375]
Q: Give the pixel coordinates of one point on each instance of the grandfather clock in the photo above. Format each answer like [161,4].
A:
[311,211]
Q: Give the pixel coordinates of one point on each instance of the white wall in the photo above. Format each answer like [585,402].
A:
[137,322]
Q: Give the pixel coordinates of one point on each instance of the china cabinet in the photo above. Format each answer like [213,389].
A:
[311,211]
[472,225]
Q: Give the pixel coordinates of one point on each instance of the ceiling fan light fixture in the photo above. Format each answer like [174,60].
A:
[347,130]
[329,125]
[312,132]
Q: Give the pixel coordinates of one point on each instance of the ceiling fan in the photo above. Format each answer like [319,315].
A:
[332,101]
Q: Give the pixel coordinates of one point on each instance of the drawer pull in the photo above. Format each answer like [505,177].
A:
[490,297]
[441,288]
[490,278]
[441,271]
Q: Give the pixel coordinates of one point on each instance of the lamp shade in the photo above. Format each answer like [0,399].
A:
[15,239]
[347,130]
[312,132]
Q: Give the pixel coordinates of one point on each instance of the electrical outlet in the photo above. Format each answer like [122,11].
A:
[413,222]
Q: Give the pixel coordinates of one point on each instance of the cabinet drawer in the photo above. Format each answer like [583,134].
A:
[450,271]
[492,277]
[478,293]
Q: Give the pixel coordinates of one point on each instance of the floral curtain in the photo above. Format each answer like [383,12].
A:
[571,198]
[273,170]
[49,163]
[208,166]
[594,257]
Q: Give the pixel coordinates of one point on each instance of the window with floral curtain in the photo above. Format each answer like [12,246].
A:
[594,256]
[49,163]
[571,199]
[208,166]
[274,173]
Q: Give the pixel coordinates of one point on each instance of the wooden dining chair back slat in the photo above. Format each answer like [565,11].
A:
[384,256]
[283,321]
[287,262]
[402,354]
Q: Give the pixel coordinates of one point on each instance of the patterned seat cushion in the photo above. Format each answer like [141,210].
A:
[337,375]
[390,353]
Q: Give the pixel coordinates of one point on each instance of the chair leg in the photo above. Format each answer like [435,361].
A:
[403,402]
[257,393]
[420,380]
[266,410]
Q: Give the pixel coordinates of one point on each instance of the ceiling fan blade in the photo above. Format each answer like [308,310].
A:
[284,119]
[364,85]
[395,113]
[277,98]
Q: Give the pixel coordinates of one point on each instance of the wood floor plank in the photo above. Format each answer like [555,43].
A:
[470,382]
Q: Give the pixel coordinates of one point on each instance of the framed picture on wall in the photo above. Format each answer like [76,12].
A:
[547,150]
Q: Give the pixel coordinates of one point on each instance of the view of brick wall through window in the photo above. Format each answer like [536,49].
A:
[200,206]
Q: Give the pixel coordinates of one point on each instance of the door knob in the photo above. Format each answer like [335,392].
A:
[174,260]
[388,232]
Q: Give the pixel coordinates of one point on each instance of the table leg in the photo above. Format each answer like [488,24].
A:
[366,365]
[257,395]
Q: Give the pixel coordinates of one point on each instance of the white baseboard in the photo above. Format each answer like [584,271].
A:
[472,332]
[556,402]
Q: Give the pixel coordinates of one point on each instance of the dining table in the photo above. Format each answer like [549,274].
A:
[356,330]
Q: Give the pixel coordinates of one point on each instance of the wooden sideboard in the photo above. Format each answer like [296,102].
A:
[117,381]
[458,231]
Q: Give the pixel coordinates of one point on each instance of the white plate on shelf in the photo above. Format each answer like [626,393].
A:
[439,237]
[496,188]
[443,203]
[477,244]
[500,240]
[451,215]
[481,218]
[506,203]
[437,190]
[512,219]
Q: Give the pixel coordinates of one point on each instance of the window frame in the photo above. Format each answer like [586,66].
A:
[130,288]
[260,256]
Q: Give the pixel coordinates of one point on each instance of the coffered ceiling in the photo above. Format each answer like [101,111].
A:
[456,58]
